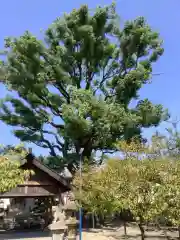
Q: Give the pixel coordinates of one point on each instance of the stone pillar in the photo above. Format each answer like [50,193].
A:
[54,214]
[71,229]
[57,230]
[71,222]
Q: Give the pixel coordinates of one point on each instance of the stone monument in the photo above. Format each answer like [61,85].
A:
[70,220]
[58,230]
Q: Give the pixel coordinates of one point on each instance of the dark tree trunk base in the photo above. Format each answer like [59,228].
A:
[142,231]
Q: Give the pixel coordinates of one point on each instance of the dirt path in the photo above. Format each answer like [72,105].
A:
[98,234]
[133,233]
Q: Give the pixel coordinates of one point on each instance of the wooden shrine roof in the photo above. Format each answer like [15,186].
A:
[45,182]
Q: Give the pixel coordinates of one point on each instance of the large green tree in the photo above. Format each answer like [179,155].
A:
[75,87]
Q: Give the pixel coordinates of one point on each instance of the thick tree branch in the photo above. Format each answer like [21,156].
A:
[56,112]
[50,146]
[56,83]
[61,126]
[80,75]
[55,135]
[106,76]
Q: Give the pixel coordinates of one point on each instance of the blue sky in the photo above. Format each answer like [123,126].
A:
[163,15]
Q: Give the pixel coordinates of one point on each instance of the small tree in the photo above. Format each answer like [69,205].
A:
[146,192]
[10,172]
[171,194]
[134,185]
[97,193]
[148,188]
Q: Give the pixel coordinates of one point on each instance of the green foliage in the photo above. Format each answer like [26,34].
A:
[97,194]
[148,188]
[124,184]
[10,172]
[145,198]
[168,144]
[74,88]
[14,152]
[171,194]
[133,149]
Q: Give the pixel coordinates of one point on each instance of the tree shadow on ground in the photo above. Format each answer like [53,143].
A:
[138,236]
[24,235]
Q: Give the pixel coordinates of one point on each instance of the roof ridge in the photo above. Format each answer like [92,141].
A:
[47,169]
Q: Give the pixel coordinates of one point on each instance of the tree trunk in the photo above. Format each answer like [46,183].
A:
[87,153]
[101,220]
[142,231]
[125,228]
[178,232]
[93,222]
[97,220]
